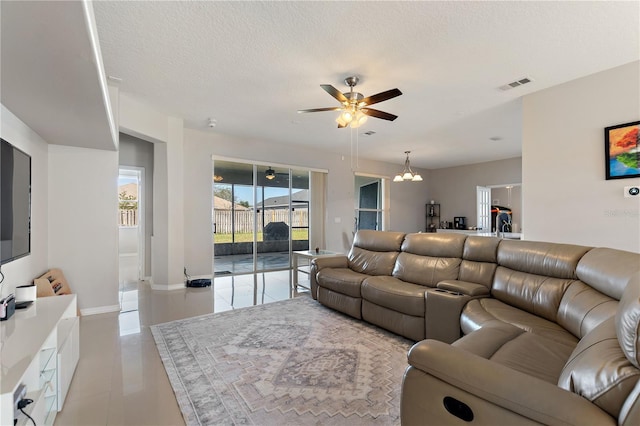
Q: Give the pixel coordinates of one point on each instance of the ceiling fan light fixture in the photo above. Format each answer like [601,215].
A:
[270,173]
[359,120]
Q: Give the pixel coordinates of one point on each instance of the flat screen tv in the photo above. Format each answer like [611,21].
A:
[15,203]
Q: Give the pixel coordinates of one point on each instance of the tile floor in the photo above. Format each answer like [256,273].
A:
[120,379]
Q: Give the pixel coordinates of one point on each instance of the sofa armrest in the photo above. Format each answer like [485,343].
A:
[319,263]
[489,389]
[464,287]
[330,262]
[442,314]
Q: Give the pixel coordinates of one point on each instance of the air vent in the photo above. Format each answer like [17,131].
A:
[369,133]
[516,83]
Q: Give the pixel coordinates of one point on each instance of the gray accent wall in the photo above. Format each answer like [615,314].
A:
[455,187]
[135,152]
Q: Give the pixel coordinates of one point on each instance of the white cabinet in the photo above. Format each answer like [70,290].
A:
[39,347]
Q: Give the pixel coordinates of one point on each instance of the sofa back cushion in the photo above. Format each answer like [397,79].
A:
[434,244]
[378,240]
[628,320]
[583,308]
[539,258]
[426,270]
[603,274]
[608,270]
[536,294]
[427,259]
[599,371]
[479,258]
[375,252]
[534,276]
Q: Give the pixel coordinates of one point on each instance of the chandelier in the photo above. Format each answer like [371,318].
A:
[407,173]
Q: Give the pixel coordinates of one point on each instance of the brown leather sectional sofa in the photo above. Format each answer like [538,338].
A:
[509,332]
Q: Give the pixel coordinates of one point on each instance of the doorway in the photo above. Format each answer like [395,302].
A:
[130,235]
[260,214]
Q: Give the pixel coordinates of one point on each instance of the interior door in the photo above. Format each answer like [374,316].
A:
[483,197]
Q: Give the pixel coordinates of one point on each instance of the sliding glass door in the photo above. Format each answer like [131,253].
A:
[260,214]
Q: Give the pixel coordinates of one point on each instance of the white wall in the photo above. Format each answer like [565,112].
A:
[83,227]
[455,187]
[22,271]
[565,195]
[407,199]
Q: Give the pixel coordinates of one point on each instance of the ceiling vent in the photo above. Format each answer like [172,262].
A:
[369,133]
[517,83]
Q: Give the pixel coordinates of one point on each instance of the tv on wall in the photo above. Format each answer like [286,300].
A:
[15,203]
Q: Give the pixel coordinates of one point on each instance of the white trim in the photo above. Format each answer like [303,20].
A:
[100,310]
[167,287]
[503,185]
[264,163]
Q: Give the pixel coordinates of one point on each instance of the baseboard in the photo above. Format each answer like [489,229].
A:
[99,310]
[167,287]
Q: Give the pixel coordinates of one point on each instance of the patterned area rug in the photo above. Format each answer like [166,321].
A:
[292,362]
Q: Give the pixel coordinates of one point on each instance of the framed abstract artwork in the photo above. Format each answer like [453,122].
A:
[622,150]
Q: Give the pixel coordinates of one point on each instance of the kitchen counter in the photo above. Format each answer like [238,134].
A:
[481,233]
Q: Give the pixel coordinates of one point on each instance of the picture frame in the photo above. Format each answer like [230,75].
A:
[622,151]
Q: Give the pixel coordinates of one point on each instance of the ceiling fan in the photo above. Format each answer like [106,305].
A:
[355,107]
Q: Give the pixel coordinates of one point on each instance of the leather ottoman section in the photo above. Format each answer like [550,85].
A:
[341,280]
[395,294]
[405,325]
[348,305]
[481,311]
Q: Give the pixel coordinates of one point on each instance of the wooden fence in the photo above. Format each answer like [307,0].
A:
[127,217]
[243,219]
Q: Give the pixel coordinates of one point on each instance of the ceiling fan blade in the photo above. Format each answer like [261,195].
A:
[319,109]
[379,114]
[335,93]
[379,97]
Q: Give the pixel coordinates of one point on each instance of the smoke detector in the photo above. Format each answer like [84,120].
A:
[213,122]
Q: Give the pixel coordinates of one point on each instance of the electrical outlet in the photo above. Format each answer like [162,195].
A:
[631,191]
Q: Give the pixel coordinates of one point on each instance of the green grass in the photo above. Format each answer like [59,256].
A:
[298,234]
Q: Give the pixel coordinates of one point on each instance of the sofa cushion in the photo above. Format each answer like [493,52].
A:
[372,262]
[395,294]
[378,240]
[341,280]
[546,259]
[481,249]
[599,371]
[628,321]
[479,312]
[425,270]
[608,270]
[436,245]
[537,294]
[518,349]
[583,308]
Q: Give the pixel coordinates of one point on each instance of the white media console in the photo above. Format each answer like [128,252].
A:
[40,348]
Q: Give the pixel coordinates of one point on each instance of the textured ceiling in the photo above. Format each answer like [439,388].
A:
[252,65]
